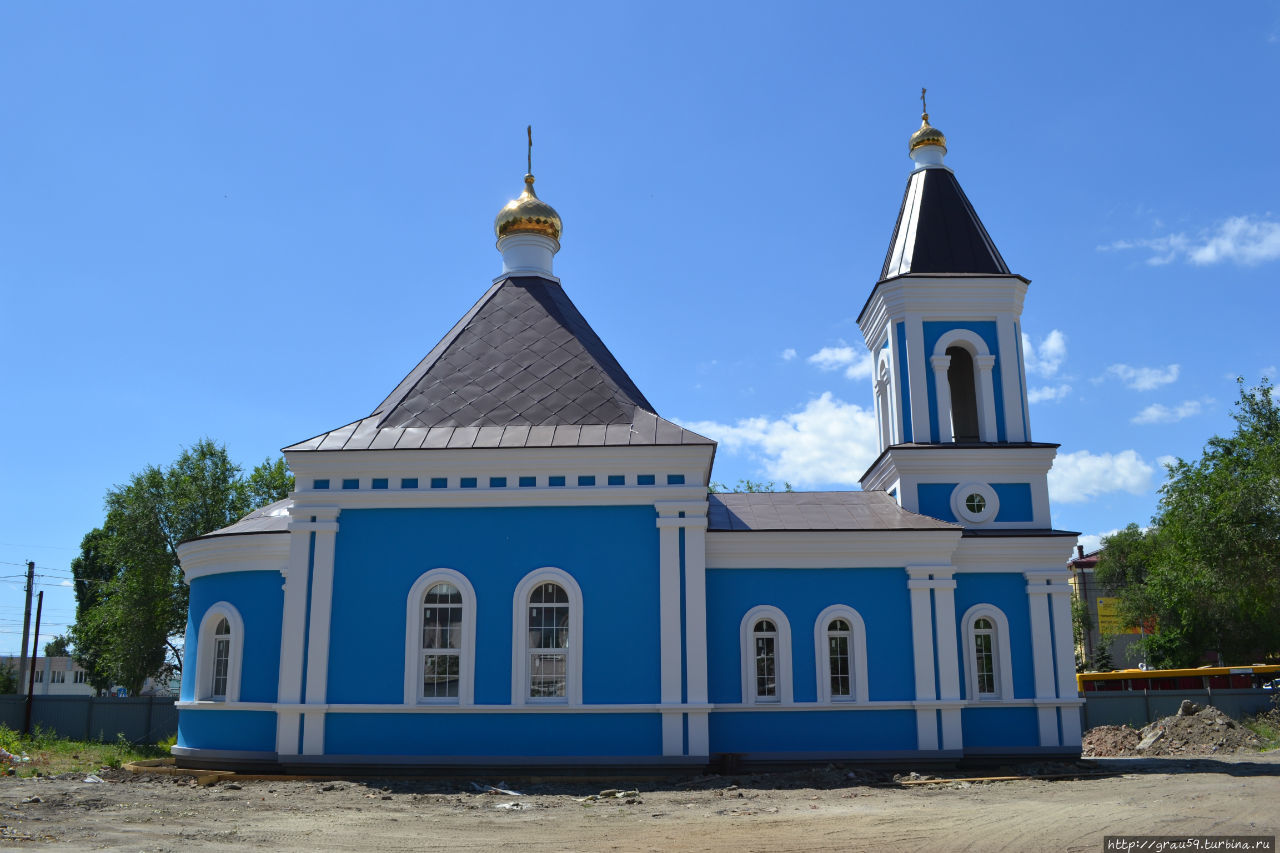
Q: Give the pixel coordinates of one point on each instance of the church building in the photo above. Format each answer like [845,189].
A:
[514,560]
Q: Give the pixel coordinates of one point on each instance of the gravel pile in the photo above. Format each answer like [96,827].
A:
[1192,731]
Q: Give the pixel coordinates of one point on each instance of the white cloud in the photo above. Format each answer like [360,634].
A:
[828,441]
[1093,541]
[857,363]
[65,583]
[1045,359]
[1159,414]
[1242,240]
[1144,378]
[1048,394]
[788,354]
[1166,461]
[1269,372]
[1080,476]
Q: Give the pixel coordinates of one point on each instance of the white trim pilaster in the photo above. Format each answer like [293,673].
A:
[293,639]
[695,630]
[922,655]
[942,392]
[668,523]
[1064,653]
[944,615]
[1042,655]
[325,528]
[982,365]
[921,432]
[1011,381]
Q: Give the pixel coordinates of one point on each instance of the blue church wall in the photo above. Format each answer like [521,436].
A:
[454,734]
[239,730]
[999,727]
[934,330]
[1015,501]
[612,552]
[1007,591]
[904,382]
[812,731]
[879,595]
[259,597]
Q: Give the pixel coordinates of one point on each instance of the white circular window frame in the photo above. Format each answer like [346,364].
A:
[963,512]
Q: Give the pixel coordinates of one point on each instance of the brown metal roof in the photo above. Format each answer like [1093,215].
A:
[756,511]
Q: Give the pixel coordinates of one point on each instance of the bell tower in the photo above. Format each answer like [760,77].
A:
[944,325]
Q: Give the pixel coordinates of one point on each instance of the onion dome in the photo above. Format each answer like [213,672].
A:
[927,135]
[528,214]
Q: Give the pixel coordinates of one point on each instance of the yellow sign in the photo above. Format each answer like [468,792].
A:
[1109,618]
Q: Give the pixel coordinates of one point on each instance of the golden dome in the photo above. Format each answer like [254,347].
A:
[528,214]
[927,135]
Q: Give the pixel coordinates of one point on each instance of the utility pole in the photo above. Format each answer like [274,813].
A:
[26,625]
[31,677]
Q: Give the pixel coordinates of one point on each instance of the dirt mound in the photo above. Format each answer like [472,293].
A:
[1192,731]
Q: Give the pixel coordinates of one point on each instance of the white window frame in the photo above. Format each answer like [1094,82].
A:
[413,640]
[1002,665]
[857,654]
[520,638]
[782,651]
[961,509]
[205,652]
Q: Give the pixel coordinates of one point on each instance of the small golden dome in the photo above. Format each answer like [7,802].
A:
[528,214]
[927,135]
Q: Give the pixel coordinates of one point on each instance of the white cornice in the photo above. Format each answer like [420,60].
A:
[998,464]
[940,296]
[813,549]
[249,552]
[509,496]
[1021,554]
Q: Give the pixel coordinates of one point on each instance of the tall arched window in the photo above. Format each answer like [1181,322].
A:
[440,640]
[987,662]
[766,657]
[964,394]
[546,660]
[840,651]
[219,651]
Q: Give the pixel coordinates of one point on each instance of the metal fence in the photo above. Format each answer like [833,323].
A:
[144,719]
[1139,707]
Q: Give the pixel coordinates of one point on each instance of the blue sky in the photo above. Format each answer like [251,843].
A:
[248,221]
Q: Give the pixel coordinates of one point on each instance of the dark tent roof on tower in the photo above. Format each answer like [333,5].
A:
[938,230]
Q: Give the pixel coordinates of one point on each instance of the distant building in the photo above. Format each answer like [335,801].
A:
[1102,623]
[62,676]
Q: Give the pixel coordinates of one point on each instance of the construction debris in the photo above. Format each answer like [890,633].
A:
[1191,731]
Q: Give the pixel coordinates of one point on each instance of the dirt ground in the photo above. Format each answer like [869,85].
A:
[812,810]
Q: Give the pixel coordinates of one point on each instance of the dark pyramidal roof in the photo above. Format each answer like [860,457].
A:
[938,231]
[522,368]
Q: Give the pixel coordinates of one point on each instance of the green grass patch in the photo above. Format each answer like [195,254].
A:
[52,755]
[1266,727]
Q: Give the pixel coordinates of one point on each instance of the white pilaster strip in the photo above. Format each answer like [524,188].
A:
[1060,606]
[318,634]
[695,631]
[944,606]
[942,391]
[293,631]
[922,651]
[1042,656]
[1011,381]
[986,394]
[916,375]
[669,626]
[895,386]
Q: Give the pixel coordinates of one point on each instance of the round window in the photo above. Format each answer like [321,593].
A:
[974,503]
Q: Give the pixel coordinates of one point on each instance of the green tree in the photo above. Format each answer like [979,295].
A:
[8,680]
[130,597]
[1206,575]
[58,647]
[751,486]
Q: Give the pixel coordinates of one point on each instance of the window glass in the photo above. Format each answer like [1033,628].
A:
[221,659]
[548,641]
[766,643]
[984,663]
[838,633]
[441,641]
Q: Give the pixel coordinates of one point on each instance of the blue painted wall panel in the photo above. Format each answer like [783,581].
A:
[612,552]
[241,730]
[1003,727]
[935,500]
[879,595]
[812,731]
[904,384]
[933,330]
[1015,502]
[494,734]
[259,596]
[1007,591]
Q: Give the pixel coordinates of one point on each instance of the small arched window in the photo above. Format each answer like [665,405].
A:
[838,635]
[988,667]
[219,652]
[766,657]
[546,655]
[964,394]
[440,640]
[840,651]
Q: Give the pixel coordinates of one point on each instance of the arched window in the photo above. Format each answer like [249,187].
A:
[964,395]
[840,651]
[988,667]
[546,665]
[766,657]
[219,650]
[440,640]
